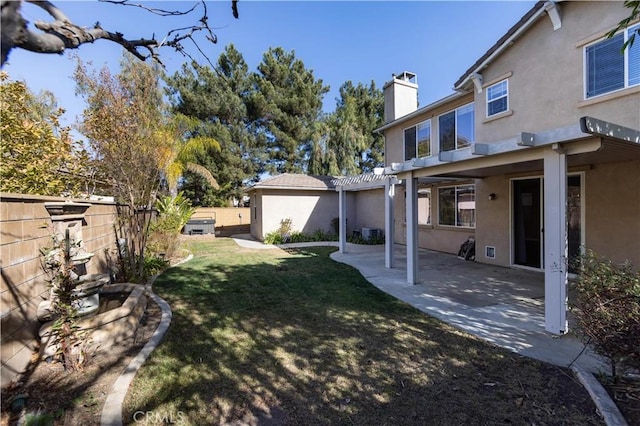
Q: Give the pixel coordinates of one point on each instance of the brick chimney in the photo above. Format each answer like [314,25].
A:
[400,96]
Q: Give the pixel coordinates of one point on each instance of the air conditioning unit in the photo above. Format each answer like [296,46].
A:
[371,233]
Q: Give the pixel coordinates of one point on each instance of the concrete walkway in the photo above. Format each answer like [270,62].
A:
[503,306]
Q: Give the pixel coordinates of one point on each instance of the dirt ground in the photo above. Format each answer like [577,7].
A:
[76,398]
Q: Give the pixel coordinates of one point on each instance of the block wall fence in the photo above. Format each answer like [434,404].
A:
[229,220]
[25,227]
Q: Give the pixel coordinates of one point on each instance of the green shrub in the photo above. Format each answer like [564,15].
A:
[273,238]
[608,309]
[278,237]
[371,241]
[154,265]
[173,215]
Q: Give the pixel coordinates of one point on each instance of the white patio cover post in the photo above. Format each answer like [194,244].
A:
[342,220]
[389,194]
[412,230]
[555,240]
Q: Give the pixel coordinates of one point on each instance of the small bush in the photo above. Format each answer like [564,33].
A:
[173,214]
[278,237]
[371,241]
[608,310]
[154,265]
[273,238]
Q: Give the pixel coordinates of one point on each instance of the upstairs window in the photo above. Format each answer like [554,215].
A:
[497,98]
[456,128]
[417,141]
[608,67]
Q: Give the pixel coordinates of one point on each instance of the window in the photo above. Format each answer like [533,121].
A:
[417,141]
[609,67]
[497,98]
[424,206]
[457,128]
[457,206]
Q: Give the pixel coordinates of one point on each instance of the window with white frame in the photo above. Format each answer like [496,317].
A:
[456,128]
[457,206]
[424,206]
[417,141]
[610,67]
[497,98]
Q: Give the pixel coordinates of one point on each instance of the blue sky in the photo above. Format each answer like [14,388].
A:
[361,41]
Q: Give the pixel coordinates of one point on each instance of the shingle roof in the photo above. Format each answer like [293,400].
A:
[297,181]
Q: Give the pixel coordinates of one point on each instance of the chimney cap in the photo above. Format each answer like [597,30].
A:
[406,76]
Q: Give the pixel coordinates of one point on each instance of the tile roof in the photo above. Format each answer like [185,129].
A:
[296,181]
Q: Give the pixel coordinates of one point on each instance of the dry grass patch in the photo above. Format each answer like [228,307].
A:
[275,337]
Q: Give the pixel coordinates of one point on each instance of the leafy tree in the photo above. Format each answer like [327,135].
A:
[351,147]
[122,122]
[288,103]
[198,190]
[634,14]
[38,156]
[221,99]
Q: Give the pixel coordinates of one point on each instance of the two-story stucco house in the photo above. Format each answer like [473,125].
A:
[536,155]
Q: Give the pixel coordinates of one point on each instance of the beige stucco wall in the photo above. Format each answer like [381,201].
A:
[493,222]
[545,70]
[546,73]
[256,214]
[394,137]
[23,283]
[308,210]
[369,209]
[611,212]
[612,201]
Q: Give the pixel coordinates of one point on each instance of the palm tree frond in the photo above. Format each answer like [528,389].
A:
[198,145]
[204,172]
[174,171]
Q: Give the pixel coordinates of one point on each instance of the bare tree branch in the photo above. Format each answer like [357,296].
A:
[61,34]
[153,10]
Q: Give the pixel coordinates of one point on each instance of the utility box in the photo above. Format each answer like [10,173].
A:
[200,227]
[371,233]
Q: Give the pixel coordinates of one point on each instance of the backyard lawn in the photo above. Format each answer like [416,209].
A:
[292,337]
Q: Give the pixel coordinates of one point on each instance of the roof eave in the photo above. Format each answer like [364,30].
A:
[514,32]
[422,110]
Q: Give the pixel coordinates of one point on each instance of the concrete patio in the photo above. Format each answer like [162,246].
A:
[503,306]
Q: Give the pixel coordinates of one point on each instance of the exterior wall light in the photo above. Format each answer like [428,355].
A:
[492,196]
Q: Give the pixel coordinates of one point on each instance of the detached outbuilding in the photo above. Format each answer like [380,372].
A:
[311,202]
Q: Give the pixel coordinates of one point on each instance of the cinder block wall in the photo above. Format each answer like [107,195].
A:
[25,227]
[225,216]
